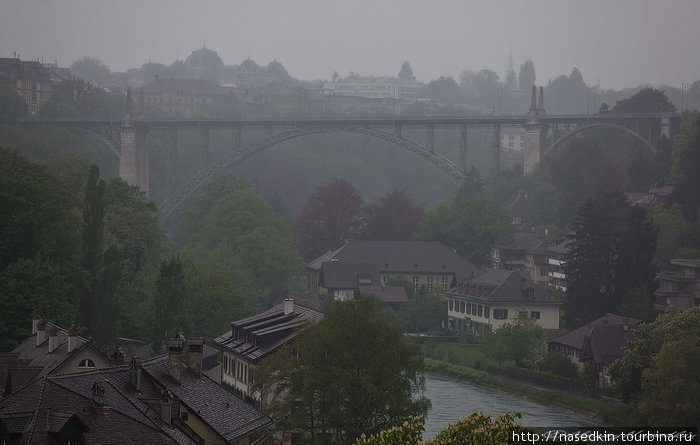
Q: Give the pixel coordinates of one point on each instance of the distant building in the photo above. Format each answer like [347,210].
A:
[251,340]
[398,93]
[679,286]
[513,139]
[527,253]
[186,97]
[345,270]
[497,297]
[30,79]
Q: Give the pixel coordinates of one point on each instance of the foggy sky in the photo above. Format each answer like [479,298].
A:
[614,43]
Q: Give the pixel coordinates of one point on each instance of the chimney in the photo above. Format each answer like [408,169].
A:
[98,393]
[53,339]
[175,346]
[196,350]
[36,319]
[288,306]
[40,333]
[135,373]
[166,407]
[72,339]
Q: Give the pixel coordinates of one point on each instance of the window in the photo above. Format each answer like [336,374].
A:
[486,311]
[415,283]
[385,280]
[443,283]
[430,284]
[480,310]
[543,272]
[535,315]
[500,314]
[452,305]
[461,306]
[474,308]
[86,363]
[469,309]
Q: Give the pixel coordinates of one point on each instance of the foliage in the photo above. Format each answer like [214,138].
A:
[526,78]
[559,364]
[478,429]
[331,216]
[611,251]
[90,69]
[12,107]
[75,97]
[424,311]
[168,315]
[442,91]
[468,225]
[567,94]
[672,228]
[520,341]
[232,230]
[637,304]
[353,372]
[406,73]
[395,217]
[687,150]
[647,100]
[658,369]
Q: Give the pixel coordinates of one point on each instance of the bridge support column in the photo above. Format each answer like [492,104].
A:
[533,128]
[133,158]
[665,126]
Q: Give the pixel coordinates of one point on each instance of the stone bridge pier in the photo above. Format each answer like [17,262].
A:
[133,157]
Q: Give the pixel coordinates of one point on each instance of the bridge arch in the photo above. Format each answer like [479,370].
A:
[574,132]
[448,168]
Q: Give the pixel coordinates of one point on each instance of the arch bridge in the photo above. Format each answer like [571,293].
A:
[542,133]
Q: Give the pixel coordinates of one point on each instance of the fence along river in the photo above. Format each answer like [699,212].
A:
[453,400]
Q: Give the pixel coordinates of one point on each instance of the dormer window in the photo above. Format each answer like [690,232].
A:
[86,363]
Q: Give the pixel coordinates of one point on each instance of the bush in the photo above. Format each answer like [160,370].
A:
[559,364]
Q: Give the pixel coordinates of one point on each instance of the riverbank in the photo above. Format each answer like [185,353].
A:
[607,413]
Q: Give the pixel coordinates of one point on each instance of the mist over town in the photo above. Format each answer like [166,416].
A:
[264,222]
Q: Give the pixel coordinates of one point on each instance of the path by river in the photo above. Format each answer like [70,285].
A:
[453,400]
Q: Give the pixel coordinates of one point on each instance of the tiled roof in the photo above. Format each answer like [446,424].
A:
[401,257]
[46,406]
[504,286]
[525,241]
[603,342]
[226,413]
[262,334]
[342,275]
[575,338]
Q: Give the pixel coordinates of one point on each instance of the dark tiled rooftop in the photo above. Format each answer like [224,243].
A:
[575,338]
[504,286]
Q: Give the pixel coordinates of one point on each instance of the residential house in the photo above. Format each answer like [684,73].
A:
[51,350]
[527,252]
[679,286]
[186,97]
[555,264]
[572,343]
[513,139]
[391,296]
[497,297]
[372,263]
[253,339]
[602,345]
[165,400]
[30,79]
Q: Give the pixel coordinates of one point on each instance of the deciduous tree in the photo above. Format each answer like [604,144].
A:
[332,215]
[395,217]
[648,100]
[353,373]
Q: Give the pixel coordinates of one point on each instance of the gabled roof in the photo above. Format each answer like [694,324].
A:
[576,337]
[43,409]
[401,257]
[231,417]
[603,342]
[33,357]
[525,241]
[260,335]
[341,275]
[504,286]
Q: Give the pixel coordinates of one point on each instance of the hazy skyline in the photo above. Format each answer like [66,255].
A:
[617,44]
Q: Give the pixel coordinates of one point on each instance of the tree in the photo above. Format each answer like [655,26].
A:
[658,369]
[11,105]
[520,341]
[91,69]
[687,150]
[567,94]
[611,252]
[331,216]
[233,230]
[647,100]
[470,225]
[353,372]
[406,73]
[395,217]
[168,315]
[637,304]
[443,90]
[527,77]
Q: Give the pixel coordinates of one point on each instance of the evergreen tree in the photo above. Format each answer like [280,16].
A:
[168,317]
[611,250]
[406,73]
[527,77]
